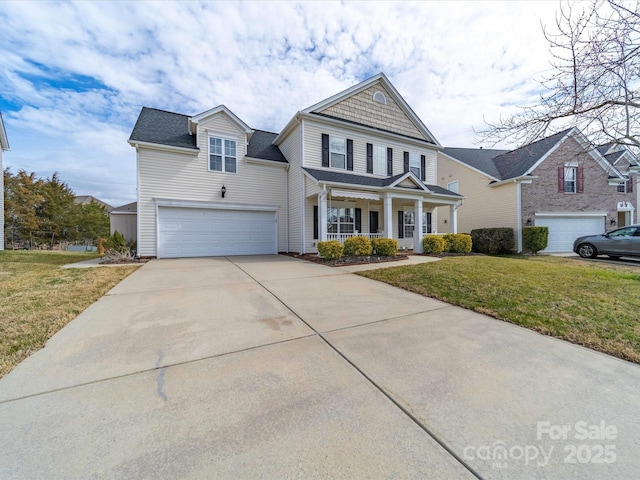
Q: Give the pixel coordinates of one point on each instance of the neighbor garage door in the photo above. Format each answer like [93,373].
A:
[200,232]
[563,230]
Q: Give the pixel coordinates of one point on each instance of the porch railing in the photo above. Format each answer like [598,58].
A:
[341,237]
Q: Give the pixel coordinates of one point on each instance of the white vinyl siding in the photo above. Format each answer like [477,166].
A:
[182,176]
[313,149]
[290,148]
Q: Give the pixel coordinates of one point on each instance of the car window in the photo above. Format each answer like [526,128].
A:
[623,232]
[637,234]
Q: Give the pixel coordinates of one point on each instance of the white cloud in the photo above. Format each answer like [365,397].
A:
[75,75]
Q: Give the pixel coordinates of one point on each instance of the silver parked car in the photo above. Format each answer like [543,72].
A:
[622,242]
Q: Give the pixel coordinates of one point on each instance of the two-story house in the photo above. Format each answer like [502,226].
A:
[562,182]
[358,163]
[4,145]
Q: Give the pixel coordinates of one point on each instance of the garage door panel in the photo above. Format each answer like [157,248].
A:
[563,230]
[194,232]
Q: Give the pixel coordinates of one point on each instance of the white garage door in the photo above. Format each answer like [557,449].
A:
[200,232]
[563,230]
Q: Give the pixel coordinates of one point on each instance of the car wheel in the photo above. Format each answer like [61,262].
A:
[586,250]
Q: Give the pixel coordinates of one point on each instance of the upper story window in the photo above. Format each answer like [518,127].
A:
[379,98]
[222,155]
[337,152]
[570,179]
[415,164]
[379,160]
[454,186]
[622,187]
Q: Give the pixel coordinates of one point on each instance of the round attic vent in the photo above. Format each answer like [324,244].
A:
[380,98]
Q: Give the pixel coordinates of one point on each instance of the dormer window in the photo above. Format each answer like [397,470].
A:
[379,97]
[222,155]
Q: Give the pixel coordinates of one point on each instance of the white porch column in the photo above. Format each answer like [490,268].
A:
[322,216]
[388,217]
[417,233]
[453,218]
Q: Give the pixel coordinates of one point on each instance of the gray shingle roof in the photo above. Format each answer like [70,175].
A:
[505,164]
[366,181]
[128,208]
[172,129]
[479,158]
[164,128]
[260,146]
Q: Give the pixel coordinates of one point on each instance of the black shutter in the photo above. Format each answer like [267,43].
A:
[315,222]
[429,222]
[580,175]
[359,220]
[406,162]
[560,179]
[423,167]
[325,150]
[389,161]
[630,185]
[349,154]
[369,158]
[400,224]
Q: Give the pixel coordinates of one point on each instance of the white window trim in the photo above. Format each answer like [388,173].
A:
[623,184]
[457,186]
[344,139]
[425,223]
[419,157]
[405,224]
[223,138]
[575,178]
[384,160]
[338,223]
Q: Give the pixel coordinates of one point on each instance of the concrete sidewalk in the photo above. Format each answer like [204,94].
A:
[274,367]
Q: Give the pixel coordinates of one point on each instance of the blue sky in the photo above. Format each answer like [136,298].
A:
[73,76]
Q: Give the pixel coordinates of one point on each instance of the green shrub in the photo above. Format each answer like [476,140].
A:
[433,244]
[330,250]
[494,241]
[116,242]
[357,246]
[385,246]
[535,238]
[457,243]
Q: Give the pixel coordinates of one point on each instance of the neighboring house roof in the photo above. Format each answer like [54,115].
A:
[87,199]
[519,161]
[4,141]
[478,158]
[128,208]
[366,181]
[261,146]
[504,165]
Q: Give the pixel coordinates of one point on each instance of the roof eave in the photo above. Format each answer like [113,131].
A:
[159,146]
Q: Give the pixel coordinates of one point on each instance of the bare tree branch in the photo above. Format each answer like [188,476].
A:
[595,81]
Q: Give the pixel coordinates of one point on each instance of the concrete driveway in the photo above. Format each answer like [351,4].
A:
[272,367]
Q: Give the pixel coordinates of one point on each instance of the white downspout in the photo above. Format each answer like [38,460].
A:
[519,215]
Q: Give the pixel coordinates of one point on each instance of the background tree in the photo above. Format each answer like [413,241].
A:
[22,198]
[93,221]
[595,84]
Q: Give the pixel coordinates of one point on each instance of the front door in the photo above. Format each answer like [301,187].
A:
[373,222]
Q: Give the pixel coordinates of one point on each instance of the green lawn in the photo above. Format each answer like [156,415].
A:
[595,305]
[37,298]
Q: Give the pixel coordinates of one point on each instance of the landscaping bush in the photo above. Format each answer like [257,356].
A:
[357,246]
[385,246]
[116,242]
[457,243]
[433,244]
[535,238]
[495,241]
[330,250]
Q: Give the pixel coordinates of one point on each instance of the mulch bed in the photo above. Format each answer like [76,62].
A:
[345,261]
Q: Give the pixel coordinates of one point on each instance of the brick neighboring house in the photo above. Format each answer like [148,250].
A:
[562,182]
